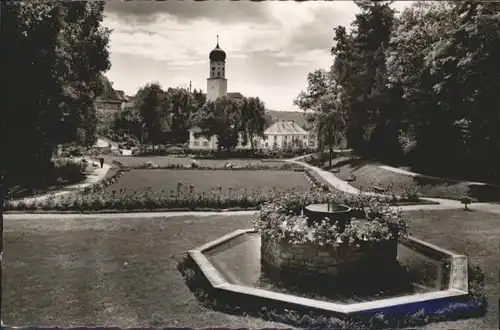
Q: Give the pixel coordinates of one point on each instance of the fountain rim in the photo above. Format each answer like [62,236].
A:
[457,288]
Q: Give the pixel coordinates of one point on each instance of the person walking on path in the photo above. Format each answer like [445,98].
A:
[101,160]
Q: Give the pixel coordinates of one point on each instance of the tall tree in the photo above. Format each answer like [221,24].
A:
[254,119]
[181,104]
[221,118]
[359,63]
[53,52]
[152,104]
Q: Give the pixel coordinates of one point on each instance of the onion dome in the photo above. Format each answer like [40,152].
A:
[217,54]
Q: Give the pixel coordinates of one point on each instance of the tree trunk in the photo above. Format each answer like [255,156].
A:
[330,158]
[251,143]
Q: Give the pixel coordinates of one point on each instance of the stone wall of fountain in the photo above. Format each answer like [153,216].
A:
[313,259]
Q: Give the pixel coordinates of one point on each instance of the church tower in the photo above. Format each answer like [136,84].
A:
[217,83]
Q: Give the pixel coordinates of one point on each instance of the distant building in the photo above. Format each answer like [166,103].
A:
[280,135]
[287,135]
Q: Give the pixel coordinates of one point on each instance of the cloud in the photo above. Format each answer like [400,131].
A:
[220,11]
[271,46]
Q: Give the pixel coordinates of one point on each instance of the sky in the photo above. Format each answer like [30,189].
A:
[271,46]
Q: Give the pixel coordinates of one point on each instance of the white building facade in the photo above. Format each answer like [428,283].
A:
[287,135]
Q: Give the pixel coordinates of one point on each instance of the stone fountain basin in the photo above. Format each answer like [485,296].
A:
[232,265]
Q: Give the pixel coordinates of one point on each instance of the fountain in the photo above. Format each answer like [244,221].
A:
[317,258]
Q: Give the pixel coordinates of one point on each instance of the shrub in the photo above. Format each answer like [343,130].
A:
[69,170]
[466,200]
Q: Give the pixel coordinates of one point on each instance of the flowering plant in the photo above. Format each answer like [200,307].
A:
[282,219]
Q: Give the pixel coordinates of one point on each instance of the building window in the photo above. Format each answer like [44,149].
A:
[213,73]
[205,143]
[218,73]
[213,68]
[196,143]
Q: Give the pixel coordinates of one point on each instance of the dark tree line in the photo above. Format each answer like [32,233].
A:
[52,56]
[420,87]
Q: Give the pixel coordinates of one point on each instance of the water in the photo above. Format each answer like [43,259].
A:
[238,260]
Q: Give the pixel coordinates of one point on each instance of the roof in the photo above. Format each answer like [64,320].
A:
[285,127]
[236,95]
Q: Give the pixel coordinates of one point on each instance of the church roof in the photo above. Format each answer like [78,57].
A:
[217,54]
[235,95]
[285,128]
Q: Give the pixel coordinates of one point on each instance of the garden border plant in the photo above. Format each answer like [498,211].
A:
[228,166]
[475,306]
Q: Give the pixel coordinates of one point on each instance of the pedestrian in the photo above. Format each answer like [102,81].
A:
[102,161]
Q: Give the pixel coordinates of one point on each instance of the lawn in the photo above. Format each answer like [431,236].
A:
[123,273]
[109,272]
[368,174]
[170,160]
[208,180]
[474,234]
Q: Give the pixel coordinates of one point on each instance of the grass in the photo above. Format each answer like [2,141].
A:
[167,160]
[109,272]
[123,273]
[369,174]
[474,234]
[206,181]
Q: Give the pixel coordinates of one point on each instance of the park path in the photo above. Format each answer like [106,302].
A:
[444,204]
[95,176]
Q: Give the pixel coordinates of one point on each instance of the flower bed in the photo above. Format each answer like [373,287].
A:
[289,244]
[228,166]
[183,198]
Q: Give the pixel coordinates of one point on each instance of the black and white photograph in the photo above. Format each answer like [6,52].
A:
[250,164]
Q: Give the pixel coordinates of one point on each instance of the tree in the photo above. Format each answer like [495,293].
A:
[329,123]
[181,104]
[359,60]
[254,119]
[53,54]
[128,121]
[152,104]
[221,118]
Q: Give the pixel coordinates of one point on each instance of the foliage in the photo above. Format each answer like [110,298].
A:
[152,104]
[183,197]
[281,219]
[325,114]
[64,46]
[127,122]
[181,105]
[228,165]
[420,87]
[221,118]
[254,119]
